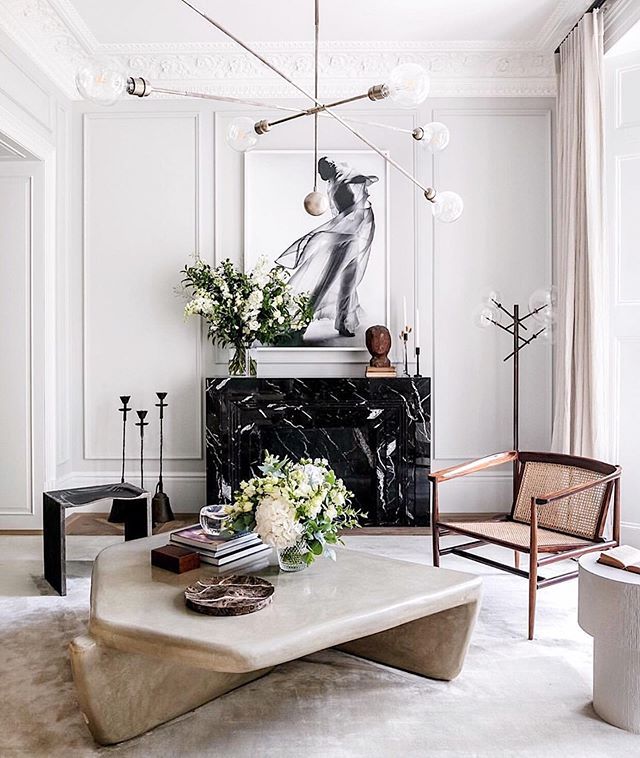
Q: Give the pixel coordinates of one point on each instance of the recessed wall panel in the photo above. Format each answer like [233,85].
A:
[140,227]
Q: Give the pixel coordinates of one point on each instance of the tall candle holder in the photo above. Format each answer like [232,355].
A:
[417,374]
[116,514]
[404,336]
[141,424]
[160,503]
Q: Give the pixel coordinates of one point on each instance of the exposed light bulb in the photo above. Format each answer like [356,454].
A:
[447,207]
[542,304]
[102,81]
[241,134]
[408,85]
[435,136]
[548,334]
[316,203]
[485,316]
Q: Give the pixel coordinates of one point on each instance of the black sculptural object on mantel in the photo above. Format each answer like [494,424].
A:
[375,435]
[142,423]
[378,340]
[116,514]
[160,504]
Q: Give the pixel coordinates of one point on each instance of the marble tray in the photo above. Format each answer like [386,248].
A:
[231,595]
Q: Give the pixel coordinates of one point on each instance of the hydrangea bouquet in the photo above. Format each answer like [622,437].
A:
[242,308]
[297,508]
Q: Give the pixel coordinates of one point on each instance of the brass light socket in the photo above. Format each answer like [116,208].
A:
[262,127]
[378,92]
[138,86]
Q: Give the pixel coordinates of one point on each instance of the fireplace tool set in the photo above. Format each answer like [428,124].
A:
[160,504]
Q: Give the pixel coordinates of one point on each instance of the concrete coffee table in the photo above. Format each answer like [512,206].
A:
[147,659]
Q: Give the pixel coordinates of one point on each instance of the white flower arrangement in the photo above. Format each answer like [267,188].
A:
[303,504]
[242,308]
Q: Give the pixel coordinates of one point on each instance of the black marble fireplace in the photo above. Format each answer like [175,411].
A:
[372,431]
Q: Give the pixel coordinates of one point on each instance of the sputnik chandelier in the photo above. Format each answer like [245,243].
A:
[102,81]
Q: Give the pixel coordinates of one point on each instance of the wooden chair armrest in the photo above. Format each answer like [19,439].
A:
[552,497]
[472,467]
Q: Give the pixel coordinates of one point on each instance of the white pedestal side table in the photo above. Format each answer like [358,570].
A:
[609,610]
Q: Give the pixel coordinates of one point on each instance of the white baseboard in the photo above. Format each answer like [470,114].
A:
[630,533]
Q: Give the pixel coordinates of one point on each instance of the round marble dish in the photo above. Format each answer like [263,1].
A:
[230,595]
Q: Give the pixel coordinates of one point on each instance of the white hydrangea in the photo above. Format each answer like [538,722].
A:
[314,475]
[276,522]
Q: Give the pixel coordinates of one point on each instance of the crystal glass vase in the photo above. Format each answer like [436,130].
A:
[292,558]
[241,362]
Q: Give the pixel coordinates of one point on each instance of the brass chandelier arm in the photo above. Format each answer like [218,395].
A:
[429,192]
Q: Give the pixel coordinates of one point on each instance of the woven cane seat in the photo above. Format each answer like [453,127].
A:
[578,515]
[514,534]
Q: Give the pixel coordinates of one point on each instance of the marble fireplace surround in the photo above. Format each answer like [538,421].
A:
[372,431]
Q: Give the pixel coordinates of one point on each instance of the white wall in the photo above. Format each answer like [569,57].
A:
[33,115]
[152,181]
[623,201]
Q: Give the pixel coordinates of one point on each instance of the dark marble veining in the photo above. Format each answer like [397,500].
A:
[372,431]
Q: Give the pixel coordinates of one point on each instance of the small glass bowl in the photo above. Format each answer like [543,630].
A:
[212,518]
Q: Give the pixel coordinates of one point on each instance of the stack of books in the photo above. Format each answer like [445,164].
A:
[381,372]
[225,553]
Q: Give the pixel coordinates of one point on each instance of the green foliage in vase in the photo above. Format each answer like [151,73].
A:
[242,308]
[302,504]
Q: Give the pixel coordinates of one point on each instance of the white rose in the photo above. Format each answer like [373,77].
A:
[314,474]
[276,524]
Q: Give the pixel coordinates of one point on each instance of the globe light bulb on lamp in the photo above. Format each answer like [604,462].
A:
[241,134]
[408,85]
[101,81]
[447,206]
[542,304]
[434,136]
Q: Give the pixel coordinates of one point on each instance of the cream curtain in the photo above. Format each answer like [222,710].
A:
[580,412]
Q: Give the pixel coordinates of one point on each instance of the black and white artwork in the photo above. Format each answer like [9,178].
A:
[341,257]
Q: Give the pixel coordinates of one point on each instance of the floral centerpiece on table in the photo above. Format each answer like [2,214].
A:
[297,508]
[242,308]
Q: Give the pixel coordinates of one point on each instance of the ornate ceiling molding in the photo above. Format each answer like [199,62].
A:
[55,36]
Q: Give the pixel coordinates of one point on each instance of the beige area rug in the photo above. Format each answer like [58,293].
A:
[514,697]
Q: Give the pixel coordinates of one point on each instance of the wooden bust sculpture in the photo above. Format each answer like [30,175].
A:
[378,342]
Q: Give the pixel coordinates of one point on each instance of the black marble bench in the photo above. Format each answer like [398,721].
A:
[135,504]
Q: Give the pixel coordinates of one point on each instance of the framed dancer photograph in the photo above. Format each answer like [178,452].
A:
[342,257]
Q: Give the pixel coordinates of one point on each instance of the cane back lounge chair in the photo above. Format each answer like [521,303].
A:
[559,511]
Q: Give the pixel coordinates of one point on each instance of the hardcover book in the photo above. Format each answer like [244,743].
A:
[195,536]
[623,557]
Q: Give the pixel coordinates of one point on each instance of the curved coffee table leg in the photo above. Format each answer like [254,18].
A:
[122,695]
[434,646]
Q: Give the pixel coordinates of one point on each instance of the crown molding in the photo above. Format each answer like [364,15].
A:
[560,22]
[54,35]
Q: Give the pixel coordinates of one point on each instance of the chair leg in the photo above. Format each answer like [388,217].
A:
[436,544]
[516,559]
[533,580]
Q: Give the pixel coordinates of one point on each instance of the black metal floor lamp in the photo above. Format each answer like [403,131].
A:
[541,310]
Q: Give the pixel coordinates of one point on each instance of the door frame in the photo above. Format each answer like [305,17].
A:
[43,326]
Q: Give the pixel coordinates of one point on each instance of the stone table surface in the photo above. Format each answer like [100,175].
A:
[139,608]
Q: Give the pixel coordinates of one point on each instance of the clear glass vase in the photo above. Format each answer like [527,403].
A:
[241,362]
[292,558]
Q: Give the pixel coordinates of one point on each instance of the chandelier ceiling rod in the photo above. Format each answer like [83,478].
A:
[429,192]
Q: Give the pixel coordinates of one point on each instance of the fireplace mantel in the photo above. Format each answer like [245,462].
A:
[372,431]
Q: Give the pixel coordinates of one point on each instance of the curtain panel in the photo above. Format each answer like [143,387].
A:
[581,424]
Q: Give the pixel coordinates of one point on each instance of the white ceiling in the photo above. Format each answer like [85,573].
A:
[148,21]
[501,48]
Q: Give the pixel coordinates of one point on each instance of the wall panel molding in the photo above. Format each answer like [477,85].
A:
[9,507]
[193,450]
[505,274]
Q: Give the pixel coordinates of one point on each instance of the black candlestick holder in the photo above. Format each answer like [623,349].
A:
[160,503]
[116,514]
[417,374]
[404,336]
[141,424]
